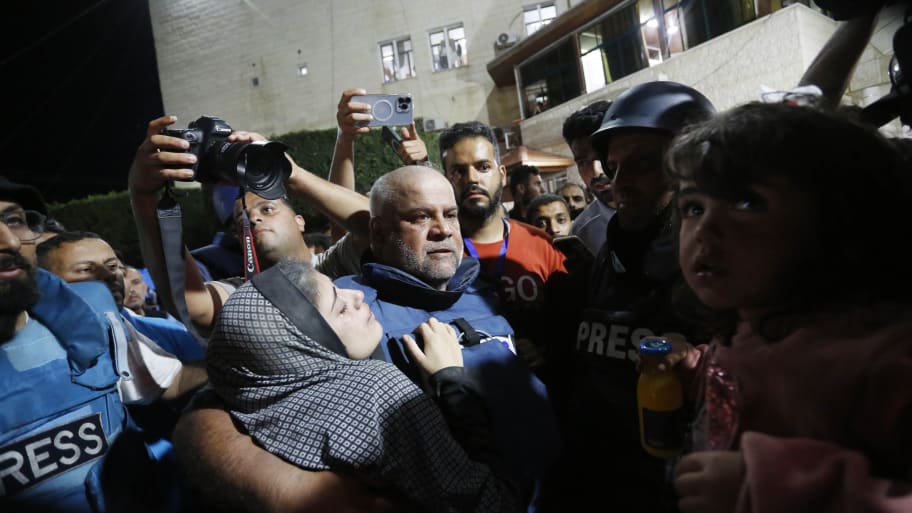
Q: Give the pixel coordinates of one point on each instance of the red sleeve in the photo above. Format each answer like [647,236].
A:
[810,476]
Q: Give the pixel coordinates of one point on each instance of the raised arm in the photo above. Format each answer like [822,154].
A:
[159,159]
[342,170]
[833,67]
[343,206]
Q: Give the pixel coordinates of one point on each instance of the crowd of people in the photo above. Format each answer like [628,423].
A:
[440,352]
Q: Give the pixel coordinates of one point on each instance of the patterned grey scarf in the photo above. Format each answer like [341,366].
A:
[322,411]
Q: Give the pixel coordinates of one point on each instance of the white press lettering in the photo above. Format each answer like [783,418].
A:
[617,339]
[88,437]
[582,333]
[35,458]
[597,338]
[11,470]
[62,445]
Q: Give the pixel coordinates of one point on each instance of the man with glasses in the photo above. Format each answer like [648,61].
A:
[24,217]
[65,383]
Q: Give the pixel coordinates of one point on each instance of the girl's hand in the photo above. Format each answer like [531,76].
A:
[680,351]
[709,482]
[441,347]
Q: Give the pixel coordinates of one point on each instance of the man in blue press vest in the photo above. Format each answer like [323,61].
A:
[61,369]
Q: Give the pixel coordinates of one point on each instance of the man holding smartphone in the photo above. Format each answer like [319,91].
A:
[353,118]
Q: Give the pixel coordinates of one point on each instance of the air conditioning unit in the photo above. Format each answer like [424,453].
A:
[432,124]
[505,40]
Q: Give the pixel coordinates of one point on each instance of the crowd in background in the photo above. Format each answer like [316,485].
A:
[437,350]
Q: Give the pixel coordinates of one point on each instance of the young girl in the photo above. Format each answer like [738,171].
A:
[295,375]
[792,224]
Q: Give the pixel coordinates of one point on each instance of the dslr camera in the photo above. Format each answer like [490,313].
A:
[258,166]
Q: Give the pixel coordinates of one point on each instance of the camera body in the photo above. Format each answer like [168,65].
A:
[258,166]
[202,134]
[387,109]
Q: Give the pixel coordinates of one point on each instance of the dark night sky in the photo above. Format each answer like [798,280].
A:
[79,87]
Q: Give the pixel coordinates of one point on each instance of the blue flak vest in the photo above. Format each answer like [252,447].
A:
[60,411]
[525,428]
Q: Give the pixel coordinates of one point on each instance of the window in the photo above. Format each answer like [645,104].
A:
[665,40]
[538,15]
[396,59]
[448,47]
[549,79]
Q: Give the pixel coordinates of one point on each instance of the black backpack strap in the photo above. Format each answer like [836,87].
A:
[470,337]
[172,239]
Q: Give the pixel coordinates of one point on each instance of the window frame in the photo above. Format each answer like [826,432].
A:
[397,59]
[445,30]
[537,7]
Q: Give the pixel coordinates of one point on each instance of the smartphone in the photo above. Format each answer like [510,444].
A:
[574,248]
[387,109]
[392,138]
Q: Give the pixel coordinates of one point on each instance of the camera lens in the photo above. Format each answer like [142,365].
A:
[261,167]
[266,170]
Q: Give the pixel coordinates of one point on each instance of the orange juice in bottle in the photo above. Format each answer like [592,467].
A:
[660,401]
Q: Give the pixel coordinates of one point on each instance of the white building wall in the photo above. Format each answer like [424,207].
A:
[210,51]
[773,51]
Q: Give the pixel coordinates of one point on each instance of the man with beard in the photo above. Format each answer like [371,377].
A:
[591,223]
[525,185]
[515,255]
[576,198]
[277,229]
[629,298]
[415,271]
[136,290]
[65,384]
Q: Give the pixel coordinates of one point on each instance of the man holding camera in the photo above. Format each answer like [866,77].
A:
[275,227]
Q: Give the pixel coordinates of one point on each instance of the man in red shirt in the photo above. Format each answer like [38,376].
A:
[516,255]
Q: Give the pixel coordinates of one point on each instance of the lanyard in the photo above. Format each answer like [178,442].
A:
[501,258]
[251,262]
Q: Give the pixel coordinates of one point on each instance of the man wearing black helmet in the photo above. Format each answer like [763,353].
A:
[629,298]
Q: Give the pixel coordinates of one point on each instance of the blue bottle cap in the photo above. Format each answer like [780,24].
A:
[655,346]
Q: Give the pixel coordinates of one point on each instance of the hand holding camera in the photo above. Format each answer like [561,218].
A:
[259,166]
[160,159]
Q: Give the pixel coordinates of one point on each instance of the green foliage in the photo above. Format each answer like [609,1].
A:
[312,150]
[109,215]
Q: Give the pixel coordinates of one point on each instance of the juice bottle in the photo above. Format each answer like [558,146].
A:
[660,401]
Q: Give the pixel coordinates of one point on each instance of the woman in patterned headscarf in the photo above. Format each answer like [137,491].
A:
[289,358]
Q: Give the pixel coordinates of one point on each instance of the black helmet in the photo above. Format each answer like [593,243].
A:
[664,106]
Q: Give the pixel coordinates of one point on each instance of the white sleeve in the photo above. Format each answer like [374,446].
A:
[340,259]
[151,369]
